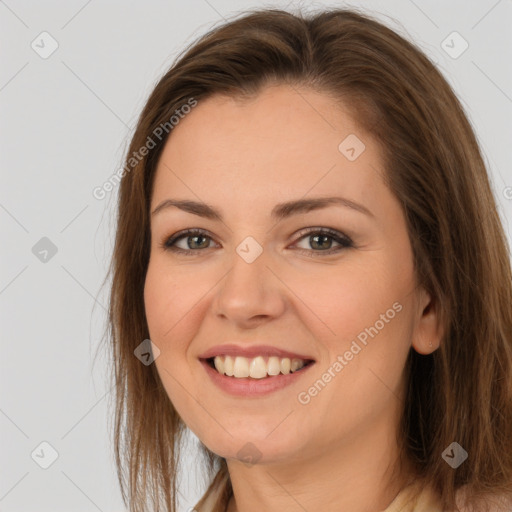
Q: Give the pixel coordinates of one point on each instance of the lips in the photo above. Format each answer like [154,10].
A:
[251,352]
[248,388]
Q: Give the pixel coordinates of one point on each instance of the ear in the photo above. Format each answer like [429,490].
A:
[428,331]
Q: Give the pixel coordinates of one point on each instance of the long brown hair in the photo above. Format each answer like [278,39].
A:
[463,391]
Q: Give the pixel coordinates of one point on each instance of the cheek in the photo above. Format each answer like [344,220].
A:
[372,321]
[351,299]
[171,320]
[166,299]
[155,299]
[174,305]
[366,318]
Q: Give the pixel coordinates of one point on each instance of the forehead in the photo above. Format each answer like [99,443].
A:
[285,142]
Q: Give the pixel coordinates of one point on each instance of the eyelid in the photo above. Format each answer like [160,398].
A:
[183,234]
[339,237]
[344,241]
[335,233]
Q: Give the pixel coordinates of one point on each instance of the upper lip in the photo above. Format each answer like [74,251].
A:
[250,352]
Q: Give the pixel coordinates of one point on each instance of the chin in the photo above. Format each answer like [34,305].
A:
[257,448]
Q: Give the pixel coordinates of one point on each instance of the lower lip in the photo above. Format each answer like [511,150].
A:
[253,387]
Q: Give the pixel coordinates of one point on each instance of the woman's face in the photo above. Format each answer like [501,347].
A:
[261,274]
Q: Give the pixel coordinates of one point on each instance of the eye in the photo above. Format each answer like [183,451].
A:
[322,239]
[194,241]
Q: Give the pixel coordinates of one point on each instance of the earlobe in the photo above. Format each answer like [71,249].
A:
[428,333]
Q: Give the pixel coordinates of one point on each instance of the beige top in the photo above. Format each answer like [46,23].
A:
[403,502]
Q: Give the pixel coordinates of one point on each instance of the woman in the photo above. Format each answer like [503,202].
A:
[308,237]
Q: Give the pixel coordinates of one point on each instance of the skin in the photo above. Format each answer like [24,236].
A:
[243,157]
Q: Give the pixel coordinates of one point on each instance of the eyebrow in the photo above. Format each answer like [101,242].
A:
[279,212]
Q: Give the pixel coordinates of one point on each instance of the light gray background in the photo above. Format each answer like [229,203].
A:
[65,122]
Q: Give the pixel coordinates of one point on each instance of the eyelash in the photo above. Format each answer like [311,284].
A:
[344,241]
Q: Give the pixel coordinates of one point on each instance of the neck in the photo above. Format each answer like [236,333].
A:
[358,475]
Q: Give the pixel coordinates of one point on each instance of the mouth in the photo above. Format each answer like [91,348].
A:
[254,378]
[256,368]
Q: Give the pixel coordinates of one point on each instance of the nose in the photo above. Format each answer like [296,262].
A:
[250,294]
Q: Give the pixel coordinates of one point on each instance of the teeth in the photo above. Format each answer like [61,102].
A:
[228,366]
[241,367]
[219,364]
[295,364]
[274,366]
[257,367]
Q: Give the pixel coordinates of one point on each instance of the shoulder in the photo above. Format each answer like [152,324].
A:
[415,498]
[419,498]
[496,503]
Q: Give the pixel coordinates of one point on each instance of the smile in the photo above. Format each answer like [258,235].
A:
[259,367]
[266,381]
